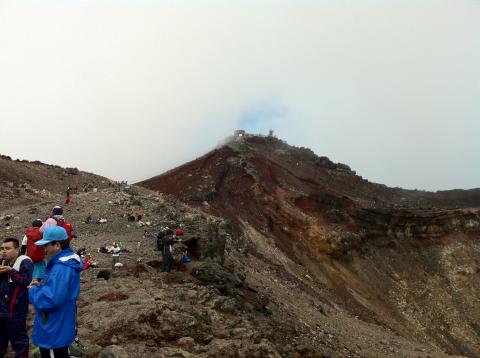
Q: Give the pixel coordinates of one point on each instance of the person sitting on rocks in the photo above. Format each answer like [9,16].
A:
[88,262]
[139,213]
[179,234]
[115,254]
[179,251]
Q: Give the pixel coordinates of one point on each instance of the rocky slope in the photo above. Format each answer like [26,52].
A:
[289,259]
[397,261]
[23,182]
[232,300]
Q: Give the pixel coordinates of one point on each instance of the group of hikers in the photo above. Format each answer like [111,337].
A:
[169,244]
[44,270]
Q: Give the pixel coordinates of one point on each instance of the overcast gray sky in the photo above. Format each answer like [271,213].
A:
[129,89]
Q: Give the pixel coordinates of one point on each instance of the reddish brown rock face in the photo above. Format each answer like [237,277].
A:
[292,195]
[312,260]
[368,241]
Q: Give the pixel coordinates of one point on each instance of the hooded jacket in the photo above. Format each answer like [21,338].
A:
[58,220]
[13,289]
[55,301]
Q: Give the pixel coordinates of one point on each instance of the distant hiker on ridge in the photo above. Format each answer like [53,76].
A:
[68,200]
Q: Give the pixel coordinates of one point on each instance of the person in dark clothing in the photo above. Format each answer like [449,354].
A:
[167,257]
[15,275]
[68,200]
[159,242]
[138,214]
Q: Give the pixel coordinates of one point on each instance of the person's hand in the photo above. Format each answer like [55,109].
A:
[5,269]
[33,283]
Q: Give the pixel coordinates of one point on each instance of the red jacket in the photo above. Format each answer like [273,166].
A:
[36,253]
[67,226]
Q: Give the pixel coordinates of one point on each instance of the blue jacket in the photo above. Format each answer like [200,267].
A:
[13,289]
[55,301]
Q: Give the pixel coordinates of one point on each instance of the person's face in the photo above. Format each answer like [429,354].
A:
[9,251]
[51,249]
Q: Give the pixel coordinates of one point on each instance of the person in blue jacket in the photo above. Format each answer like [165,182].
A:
[55,297]
[15,275]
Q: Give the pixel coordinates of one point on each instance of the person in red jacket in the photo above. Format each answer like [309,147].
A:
[68,200]
[36,253]
[65,224]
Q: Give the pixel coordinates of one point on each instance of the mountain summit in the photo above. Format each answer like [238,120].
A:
[404,260]
[221,176]
[292,195]
[290,255]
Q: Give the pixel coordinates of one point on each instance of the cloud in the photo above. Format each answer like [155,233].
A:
[262,117]
[129,89]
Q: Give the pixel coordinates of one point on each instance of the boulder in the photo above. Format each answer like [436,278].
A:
[113,351]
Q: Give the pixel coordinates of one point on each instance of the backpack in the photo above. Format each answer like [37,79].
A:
[164,243]
[67,226]
[160,243]
[36,253]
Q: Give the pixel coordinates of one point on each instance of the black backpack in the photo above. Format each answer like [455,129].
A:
[160,241]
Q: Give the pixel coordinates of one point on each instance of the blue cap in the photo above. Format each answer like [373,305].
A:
[52,233]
